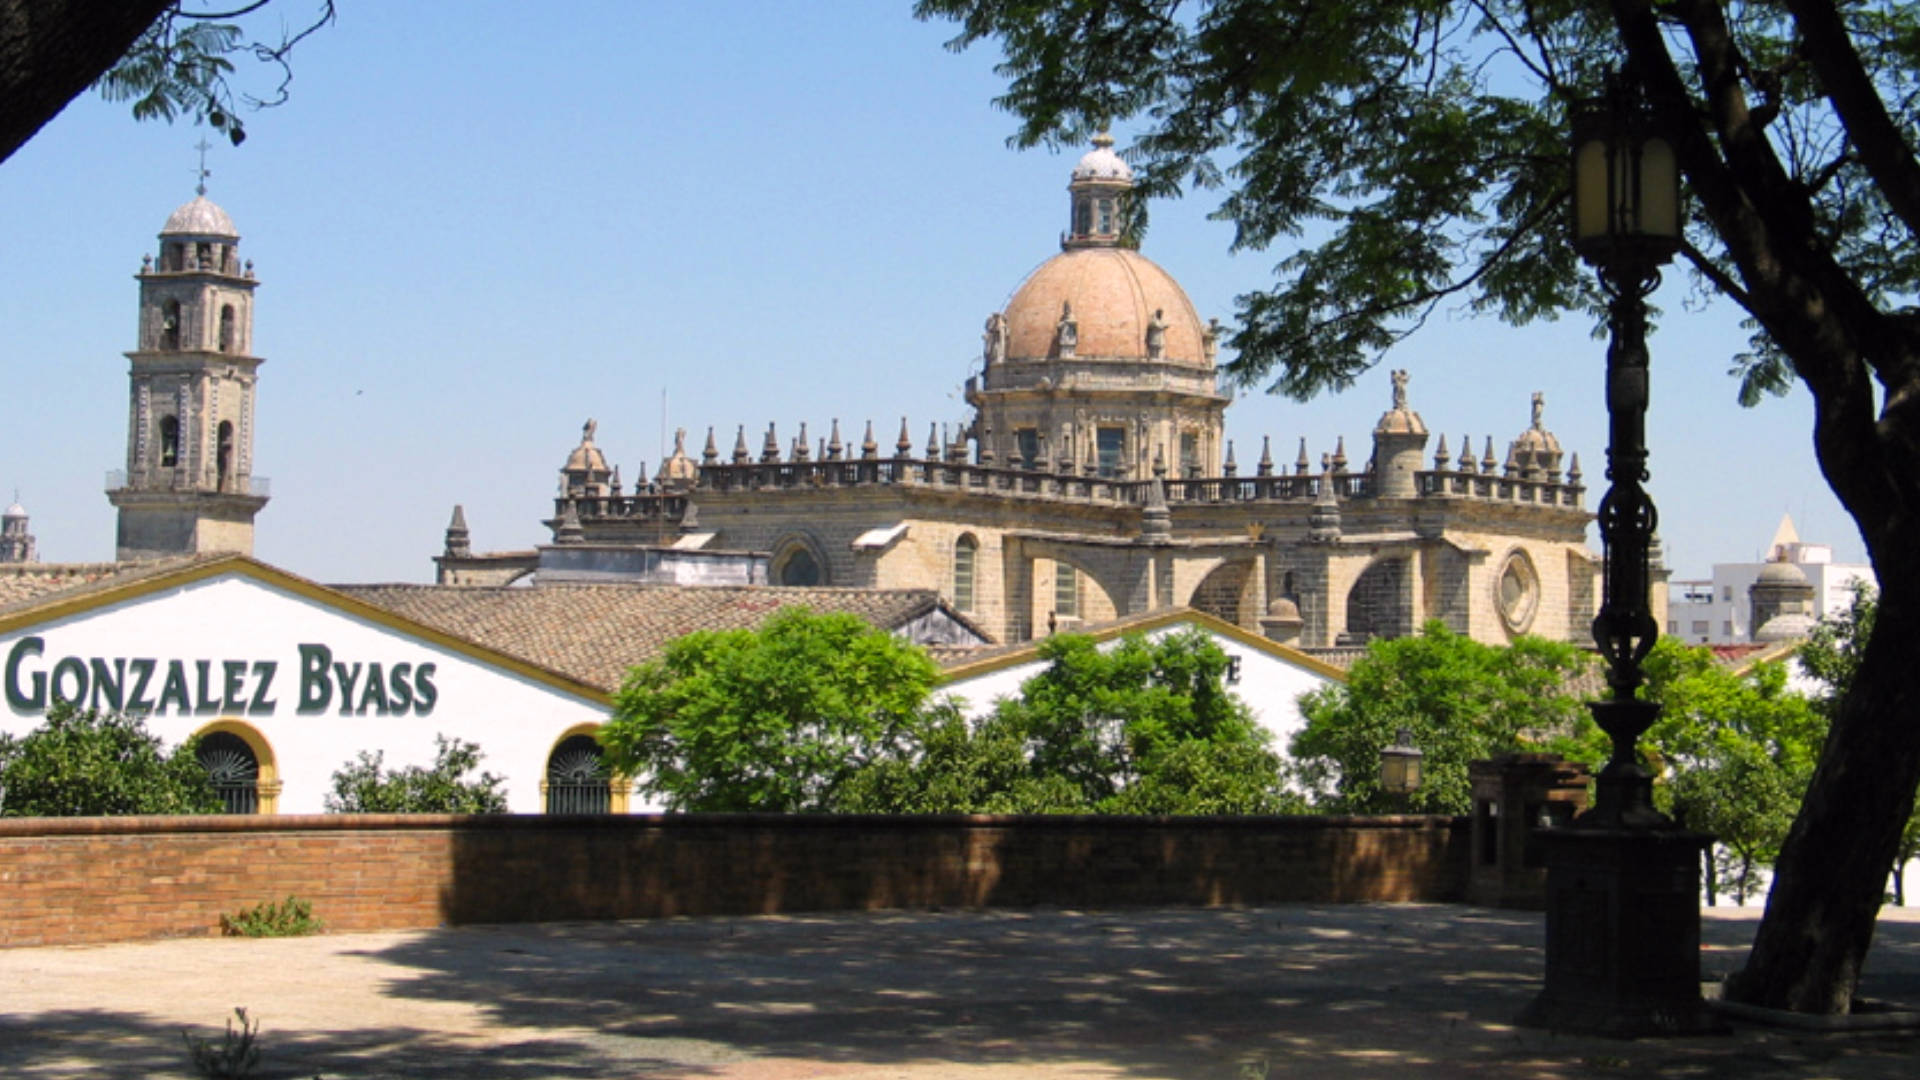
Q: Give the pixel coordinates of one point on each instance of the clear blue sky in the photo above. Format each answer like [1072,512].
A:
[475,232]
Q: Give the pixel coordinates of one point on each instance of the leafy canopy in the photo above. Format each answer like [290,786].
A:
[774,719]
[82,763]
[1737,750]
[1145,726]
[1462,701]
[366,786]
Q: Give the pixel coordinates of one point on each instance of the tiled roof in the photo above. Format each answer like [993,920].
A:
[967,663]
[594,633]
[23,585]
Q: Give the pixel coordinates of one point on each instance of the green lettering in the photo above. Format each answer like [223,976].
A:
[208,703]
[347,676]
[402,693]
[25,647]
[316,691]
[175,690]
[107,683]
[138,701]
[424,695]
[234,686]
[376,692]
[71,665]
[261,705]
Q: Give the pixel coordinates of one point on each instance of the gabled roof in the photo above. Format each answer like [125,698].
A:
[23,584]
[117,583]
[978,662]
[595,632]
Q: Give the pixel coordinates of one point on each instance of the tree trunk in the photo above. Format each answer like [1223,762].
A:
[51,50]
[1832,872]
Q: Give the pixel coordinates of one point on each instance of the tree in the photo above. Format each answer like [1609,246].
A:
[365,786]
[1832,655]
[1462,700]
[168,60]
[1428,137]
[1141,727]
[773,719]
[83,763]
[1738,750]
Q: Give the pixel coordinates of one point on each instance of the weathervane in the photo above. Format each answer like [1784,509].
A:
[202,146]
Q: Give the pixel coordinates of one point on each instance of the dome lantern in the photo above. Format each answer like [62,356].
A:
[1097,195]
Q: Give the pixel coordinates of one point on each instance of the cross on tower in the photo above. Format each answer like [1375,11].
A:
[201,172]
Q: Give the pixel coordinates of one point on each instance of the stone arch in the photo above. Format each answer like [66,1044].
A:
[1379,604]
[570,783]
[218,740]
[798,561]
[1227,593]
[1092,597]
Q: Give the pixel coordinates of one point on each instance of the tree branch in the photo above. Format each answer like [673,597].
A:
[1882,149]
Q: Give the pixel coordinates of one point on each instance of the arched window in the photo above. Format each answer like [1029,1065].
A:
[1066,590]
[176,257]
[1106,215]
[578,781]
[964,551]
[170,324]
[203,256]
[1083,216]
[169,441]
[224,453]
[226,328]
[234,770]
[799,568]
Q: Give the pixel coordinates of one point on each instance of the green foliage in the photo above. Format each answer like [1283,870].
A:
[365,787]
[1462,700]
[292,917]
[80,762]
[1832,655]
[1143,727]
[1419,147]
[236,1055]
[774,719]
[1738,752]
[180,67]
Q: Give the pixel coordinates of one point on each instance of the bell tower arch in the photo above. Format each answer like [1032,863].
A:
[188,486]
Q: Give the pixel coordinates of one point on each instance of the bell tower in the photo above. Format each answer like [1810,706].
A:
[188,486]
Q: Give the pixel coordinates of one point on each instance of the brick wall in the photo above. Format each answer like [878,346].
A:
[82,880]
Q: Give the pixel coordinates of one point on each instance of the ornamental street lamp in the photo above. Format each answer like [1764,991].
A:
[1400,766]
[1626,217]
[1623,907]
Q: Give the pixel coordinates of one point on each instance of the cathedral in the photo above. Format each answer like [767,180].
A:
[1093,481]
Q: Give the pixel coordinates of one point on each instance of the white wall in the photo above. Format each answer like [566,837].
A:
[515,719]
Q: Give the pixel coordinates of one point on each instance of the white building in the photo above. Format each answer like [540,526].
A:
[1719,611]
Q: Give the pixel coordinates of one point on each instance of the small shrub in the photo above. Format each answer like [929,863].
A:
[292,917]
[234,1055]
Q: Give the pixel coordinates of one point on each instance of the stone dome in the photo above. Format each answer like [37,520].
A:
[201,217]
[1781,573]
[1114,292]
[1789,626]
[14,511]
[1101,163]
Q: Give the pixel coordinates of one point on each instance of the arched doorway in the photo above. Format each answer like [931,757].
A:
[234,769]
[578,780]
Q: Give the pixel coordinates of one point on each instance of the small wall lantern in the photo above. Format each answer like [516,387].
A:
[1400,765]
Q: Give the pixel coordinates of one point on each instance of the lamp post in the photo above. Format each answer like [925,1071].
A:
[1626,216]
[1623,906]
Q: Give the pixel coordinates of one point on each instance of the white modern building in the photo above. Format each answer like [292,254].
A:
[1719,611]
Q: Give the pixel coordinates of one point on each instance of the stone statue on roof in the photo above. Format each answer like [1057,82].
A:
[1400,389]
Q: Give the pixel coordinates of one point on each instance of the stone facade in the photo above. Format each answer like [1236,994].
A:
[1094,480]
[188,486]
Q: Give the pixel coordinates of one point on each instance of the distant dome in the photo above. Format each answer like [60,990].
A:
[1781,573]
[1101,163]
[1283,608]
[1785,627]
[14,511]
[1114,292]
[201,217]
